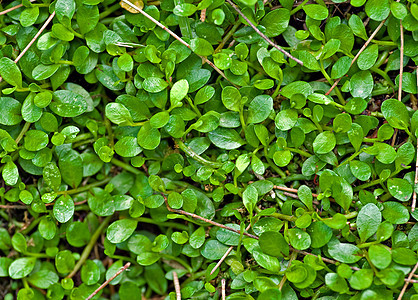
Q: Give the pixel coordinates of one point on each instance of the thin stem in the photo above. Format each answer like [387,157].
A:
[12,8]
[384,43]
[358,53]
[176,37]
[179,260]
[293,256]
[125,166]
[84,188]
[414,196]
[176,285]
[109,280]
[22,132]
[223,282]
[35,37]
[366,185]
[164,224]
[222,259]
[401,63]
[299,151]
[283,188]
[262,34]
[329,79]
[193,106]
[89,247]
[109,11]
[196,157]
[182,212]
[354,155]
[298,8]
[283,217]
[384,75]
[228,36]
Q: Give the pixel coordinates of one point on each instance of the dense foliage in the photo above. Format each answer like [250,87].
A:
[168,142]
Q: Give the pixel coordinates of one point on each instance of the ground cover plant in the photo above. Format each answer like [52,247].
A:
[213,149]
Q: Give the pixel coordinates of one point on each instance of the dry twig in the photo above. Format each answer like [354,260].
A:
[358,54]
[109,280]
[262,34]
[176,285]
[175,36]
[407,282]
[223,289]
[182,212]
[34,39]
[400,77]
[12,8]
[226,254]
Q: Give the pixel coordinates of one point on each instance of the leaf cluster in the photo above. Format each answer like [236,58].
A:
[176,137]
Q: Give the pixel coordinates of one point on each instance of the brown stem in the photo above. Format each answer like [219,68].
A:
[182,212]
[176,285]
[223,281]
[292,257]
[358,54]
[12,8]
[109,280]
[407,282]
[262,34]
[414,196]
[175,36]
[35,37]
[401,63]
[400,77]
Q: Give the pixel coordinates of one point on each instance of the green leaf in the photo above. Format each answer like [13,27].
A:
[201,47]
[361,279]
[231,98]
[344,252]
[377,10]
[380,256]
[154,84]
[90,272]
[64,209]
[356,24]
[120,230]
[21,267]
[250,198]
[360,170]
[11,111]
[368,221]
[286,119]
[67,103]
[148,137]
[118,114]
[10,173]
[299,239]
[400,189]
[395,113]
[178,91]
[65,10]
[276,22]
[316,11]
[259,109]
[368,57]
[35,140]
[213,250]
[361,84]
[324,142]
[125,62]
[226,138]
[184,9]
[395,212]
[10,72]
